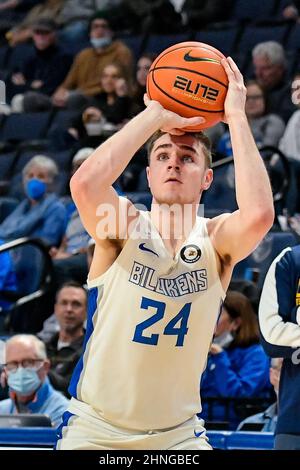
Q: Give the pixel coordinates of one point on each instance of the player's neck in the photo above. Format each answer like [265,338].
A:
[174,222]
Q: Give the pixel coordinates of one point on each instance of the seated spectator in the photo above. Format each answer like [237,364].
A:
[106,110]
[69,259]
[41,214]
[196,14]
[267,129]
[292,11]
[43,71]
[139,89]
[64,348]
[237,366]
[268,418]
[22,32]
[82,80]
[270,71]
[26,373]
[155,16]
[290,142]
[75,15]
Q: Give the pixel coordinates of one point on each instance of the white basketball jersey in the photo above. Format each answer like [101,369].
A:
[150,323]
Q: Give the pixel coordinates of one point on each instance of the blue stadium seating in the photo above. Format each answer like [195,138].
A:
[7,160]
[223,39]
[135,43]
[7,205]
[25,126]
[257,264]
[157,42]
[17,56]
[253,10]
[253,35]
[293,40]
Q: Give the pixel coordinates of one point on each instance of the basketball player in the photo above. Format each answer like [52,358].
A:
[156,284]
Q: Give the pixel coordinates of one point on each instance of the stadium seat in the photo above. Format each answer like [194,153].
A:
[7,160]
[221,194]
[253,10]
[157,43]
[25,126]
[222,39]
[17,55]
[135,43]
[61,120]
[253,35]
[255,266]
[293,40]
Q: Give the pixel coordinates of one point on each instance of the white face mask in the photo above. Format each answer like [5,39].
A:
[224,340]
[98,43]
[94,128]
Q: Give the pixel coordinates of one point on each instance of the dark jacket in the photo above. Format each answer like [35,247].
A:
[63,362]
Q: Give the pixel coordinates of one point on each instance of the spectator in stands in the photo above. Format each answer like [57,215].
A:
[42,72]
[41,214]
[290,142]
[106,111]
[26,373]
[237,366]
[75,15]
[196,14]
[139,89]
[268,418]
[155,16]
[267,128]
[69,260]
[22,32]
[83,79]
[64,348]
[270,69]
[292,11]
[290,146]
[279,321]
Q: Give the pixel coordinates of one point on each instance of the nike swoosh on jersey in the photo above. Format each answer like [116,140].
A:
[188,58]
[144,248]
[198,434]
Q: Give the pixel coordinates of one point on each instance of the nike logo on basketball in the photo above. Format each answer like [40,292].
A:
[144,248]
[188,58]
[198,434]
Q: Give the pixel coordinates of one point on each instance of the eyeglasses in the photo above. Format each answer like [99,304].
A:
[26,363]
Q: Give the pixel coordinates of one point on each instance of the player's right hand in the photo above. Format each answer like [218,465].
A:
[171,122]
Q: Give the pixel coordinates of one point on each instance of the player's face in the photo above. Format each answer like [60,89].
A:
[177,173]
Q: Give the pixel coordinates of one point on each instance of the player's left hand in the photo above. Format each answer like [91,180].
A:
[236,95]
[173,123]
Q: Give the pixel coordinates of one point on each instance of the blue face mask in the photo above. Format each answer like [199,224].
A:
[101,42]
[35,189]
[24,381]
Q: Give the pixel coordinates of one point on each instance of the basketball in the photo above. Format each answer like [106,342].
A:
[188,79]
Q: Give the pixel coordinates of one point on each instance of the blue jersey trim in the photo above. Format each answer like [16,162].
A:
[91,311]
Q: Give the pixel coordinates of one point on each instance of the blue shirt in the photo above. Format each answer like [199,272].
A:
[46,220]
[47,401]
[234,373]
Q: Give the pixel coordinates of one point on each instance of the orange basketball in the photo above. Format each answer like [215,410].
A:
[188,78]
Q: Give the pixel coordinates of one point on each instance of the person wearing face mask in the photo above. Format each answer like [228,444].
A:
[237,366]
[268,418]
[26,374]
[40,214]
[83,79]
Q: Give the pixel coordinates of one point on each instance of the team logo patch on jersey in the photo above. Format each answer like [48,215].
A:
[190,253]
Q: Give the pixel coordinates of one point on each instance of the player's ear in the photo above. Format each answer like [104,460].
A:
[208,178]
